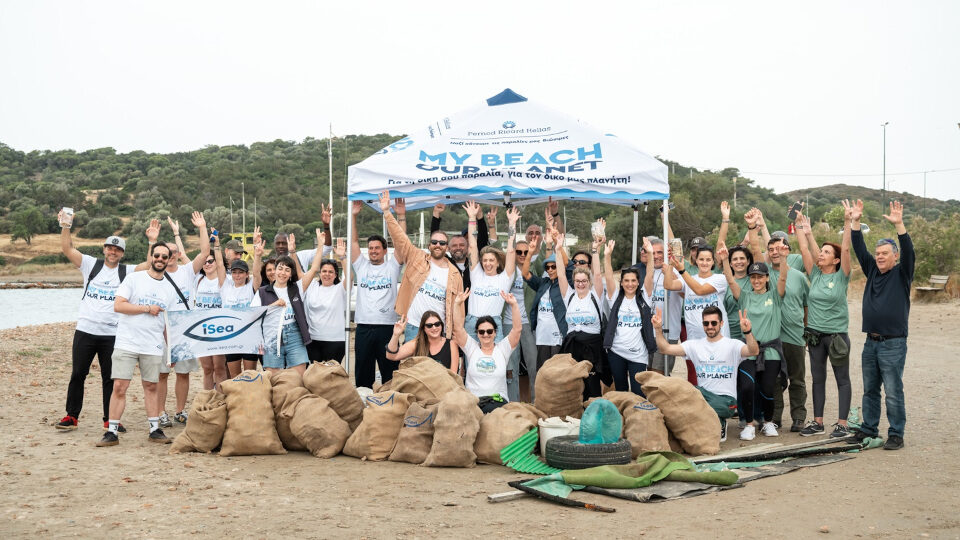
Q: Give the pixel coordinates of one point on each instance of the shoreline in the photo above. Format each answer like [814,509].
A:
[40,284]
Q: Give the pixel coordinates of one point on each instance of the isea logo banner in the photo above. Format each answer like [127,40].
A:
[207,332]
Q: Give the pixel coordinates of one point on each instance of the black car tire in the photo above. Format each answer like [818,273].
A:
[567,452]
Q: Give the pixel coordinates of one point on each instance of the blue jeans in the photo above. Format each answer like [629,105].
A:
[624,372]
[470,325]
[882,364]
[292,350]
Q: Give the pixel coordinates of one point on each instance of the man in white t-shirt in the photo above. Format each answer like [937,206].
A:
[716,359]
[96,321]
[141,300]
[659,362]
[377,279]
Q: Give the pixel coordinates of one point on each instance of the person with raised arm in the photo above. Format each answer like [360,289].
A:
[377,279]
[528,341]
[584,316]
[629,341]
[430,341]
[490,272]
[285,244]
[886,313]
[458,248]
[238,292]
[827,320]
[207,288]
[430,280]
[699,292]
[96,328]
[548,312]
[286,332]
[326,302]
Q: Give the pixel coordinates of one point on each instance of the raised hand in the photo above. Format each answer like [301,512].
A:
[320,237]
[341,250]
[325,213]
[385,201]
[745,325]
[461,296]
[153,231]
[751,217]
[725,210]
[198,221]
[292,242]
[400,326]
[722,251]
[535,246]
[760,222]
[400,206]
[657,319]
[553,207]
[513,215]
[438,209]
[647,246]
[896,213]
[612,243]
[258,248]
[508,298]
[492,214]
[174,225]
[676,261]
[257,235]
[472,209]
[356,207]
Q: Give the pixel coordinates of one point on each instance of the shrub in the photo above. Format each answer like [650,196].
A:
[98,228]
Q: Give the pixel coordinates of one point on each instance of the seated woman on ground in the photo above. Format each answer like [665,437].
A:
[429,341]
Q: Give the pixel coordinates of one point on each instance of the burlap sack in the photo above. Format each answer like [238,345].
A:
[251,426]
[416,435]
[318,428]
[329,381]
[205,424]
[455,431]
[503,426]
[285,414]
[624,401]
[688,416]
[559,386]
[425,378]
[376,435]
[644,427]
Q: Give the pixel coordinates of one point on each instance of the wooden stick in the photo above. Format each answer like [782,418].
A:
[507,496]
[559,500]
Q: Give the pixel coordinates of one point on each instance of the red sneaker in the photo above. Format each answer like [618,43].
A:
[68,423]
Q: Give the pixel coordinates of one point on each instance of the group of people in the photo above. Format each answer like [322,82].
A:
[741,314]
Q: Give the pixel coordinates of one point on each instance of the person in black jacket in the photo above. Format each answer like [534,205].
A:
[886,312]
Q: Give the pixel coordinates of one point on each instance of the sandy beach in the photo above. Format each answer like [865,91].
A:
[59,484]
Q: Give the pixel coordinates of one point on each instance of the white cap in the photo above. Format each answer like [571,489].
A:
[115,241]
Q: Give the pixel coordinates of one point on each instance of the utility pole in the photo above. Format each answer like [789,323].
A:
[330,171]
[734,192]
[883,189]
[243,216]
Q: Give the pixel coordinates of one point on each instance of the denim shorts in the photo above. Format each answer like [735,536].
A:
[292,350]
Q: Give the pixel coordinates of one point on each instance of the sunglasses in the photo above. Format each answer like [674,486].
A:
[161,257]
[580,262]
[211,261]
[522,252]
[549,267]
[438,242]
[486,332]
[711,323]
[432,324]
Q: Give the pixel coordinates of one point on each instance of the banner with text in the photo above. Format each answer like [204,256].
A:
[208,332]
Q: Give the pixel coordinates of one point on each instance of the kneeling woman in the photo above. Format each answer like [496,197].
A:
[486,360]
[429,341]
[326,303]
[285,330]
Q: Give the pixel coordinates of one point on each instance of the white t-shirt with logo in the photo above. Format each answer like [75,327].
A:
[207,294]
[143,333]
[233,296]
[185,278]
[305,256]
[628,341]
[582,314]
[96,315]
[376,291]
[277,316]
[432,296]
[487,373]
[517,289]
[548,331]
[716,363]
[485,290]
[693,305]
[675,302]
[325,308]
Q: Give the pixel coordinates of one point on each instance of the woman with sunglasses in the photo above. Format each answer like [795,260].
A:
[429,341]
[827,319]
[486,360]
[207,296]
[699,292]
[528,342]
[585,318]
[286,331]
[548,312]
[238,292]
[490,272]
[325,301]
[629,339]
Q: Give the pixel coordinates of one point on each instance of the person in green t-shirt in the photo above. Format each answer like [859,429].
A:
[764,305]
[738,259]
[827,317]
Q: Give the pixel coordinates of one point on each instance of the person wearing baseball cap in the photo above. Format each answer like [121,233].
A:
[96,320]
[238,291]
[233,251]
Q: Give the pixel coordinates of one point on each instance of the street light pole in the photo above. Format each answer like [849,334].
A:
[883,189]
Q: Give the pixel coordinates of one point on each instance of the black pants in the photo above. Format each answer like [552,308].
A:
[321,351]
[546,352]
[748,381]
[819,358]
[371,352]
[85,347]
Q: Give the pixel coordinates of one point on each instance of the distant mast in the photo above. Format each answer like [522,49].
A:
[330,170]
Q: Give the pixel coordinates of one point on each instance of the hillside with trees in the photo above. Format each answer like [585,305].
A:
[285,182]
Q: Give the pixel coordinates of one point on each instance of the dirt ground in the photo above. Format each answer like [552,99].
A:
[59,484]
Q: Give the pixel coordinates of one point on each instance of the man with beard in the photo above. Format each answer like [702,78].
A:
[458,244]
[140,341]
[715,358]
[430,281]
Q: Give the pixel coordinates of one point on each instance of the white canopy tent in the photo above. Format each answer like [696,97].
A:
[507,151]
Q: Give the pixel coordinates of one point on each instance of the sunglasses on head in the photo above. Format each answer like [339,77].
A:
[711,323]
[486,331]
[432,324]
[522,251]
[161,257]
[550,266]
[580,262]
[438,242]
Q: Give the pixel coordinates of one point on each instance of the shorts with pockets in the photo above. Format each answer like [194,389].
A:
[124,362]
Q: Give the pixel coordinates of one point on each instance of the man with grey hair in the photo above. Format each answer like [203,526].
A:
[886,312]
[658,361]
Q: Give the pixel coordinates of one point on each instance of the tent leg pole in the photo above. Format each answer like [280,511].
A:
[666,264]
[348,276]
[633,254]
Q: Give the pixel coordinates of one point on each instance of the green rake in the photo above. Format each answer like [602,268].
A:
[519,455]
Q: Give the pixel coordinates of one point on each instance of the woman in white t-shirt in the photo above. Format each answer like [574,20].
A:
[325,301]
[491,272]
[627,352]
[699,291]
[486,360]
[207,296]
[238,292]
[584,317]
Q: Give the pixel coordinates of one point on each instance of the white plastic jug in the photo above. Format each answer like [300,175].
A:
[555,427]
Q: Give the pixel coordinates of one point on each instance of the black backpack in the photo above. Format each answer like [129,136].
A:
[97,266]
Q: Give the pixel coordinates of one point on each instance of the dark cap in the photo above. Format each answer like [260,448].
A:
[235,246]
[758,268]
[697,243]
[239,265]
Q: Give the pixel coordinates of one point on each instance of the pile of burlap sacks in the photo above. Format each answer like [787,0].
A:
[424,415]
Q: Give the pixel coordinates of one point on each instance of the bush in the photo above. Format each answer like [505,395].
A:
[99,228]
[56,258]
[3,260]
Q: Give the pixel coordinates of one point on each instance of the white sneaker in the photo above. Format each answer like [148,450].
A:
[164,420]
[748,433]
[769,429]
